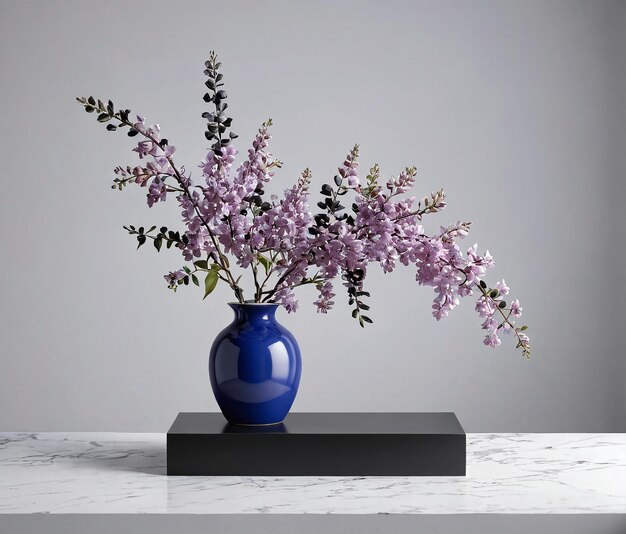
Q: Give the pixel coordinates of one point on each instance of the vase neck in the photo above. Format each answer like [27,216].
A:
[253,312]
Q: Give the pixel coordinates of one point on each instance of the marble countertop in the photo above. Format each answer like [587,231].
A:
[84,473]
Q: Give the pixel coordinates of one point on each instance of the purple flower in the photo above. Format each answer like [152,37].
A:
[173,277]
[516,309]
[156,192]
[502,287]
[288,299]
[324,302]
[492,340]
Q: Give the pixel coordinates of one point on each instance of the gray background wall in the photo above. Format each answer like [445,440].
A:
[515,108]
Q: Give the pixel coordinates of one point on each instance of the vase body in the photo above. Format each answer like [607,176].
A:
[254,367]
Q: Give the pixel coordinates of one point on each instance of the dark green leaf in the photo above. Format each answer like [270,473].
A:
[194,279]
[201,264]
[158,242]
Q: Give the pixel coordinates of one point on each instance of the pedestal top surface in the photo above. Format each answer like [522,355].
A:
[82,473]
[325,423]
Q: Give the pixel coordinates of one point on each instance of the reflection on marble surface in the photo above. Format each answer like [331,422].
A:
[124,473]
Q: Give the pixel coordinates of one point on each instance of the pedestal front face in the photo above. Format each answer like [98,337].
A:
[319,444]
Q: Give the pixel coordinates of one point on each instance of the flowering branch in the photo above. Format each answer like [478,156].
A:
[162,151]
[284,245]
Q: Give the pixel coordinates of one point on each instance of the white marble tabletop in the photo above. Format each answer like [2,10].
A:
[84,473]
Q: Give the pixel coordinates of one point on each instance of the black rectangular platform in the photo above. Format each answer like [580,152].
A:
[319,444]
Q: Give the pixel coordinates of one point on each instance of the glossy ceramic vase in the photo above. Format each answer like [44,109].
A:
[255,367]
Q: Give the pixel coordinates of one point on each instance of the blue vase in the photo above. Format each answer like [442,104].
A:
[255,367]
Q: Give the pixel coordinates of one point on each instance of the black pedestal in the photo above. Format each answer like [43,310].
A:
[319,444]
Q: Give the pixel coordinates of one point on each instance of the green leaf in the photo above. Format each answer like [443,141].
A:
[494,293]
[194,279]
[187,269]
[215,266]
[210,282]
[201,264]
[266,262]
[523,328]
[157,243]
[141,240]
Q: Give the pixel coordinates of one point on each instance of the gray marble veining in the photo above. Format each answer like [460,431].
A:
[75,473]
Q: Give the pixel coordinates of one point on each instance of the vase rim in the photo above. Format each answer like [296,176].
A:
[254,303]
